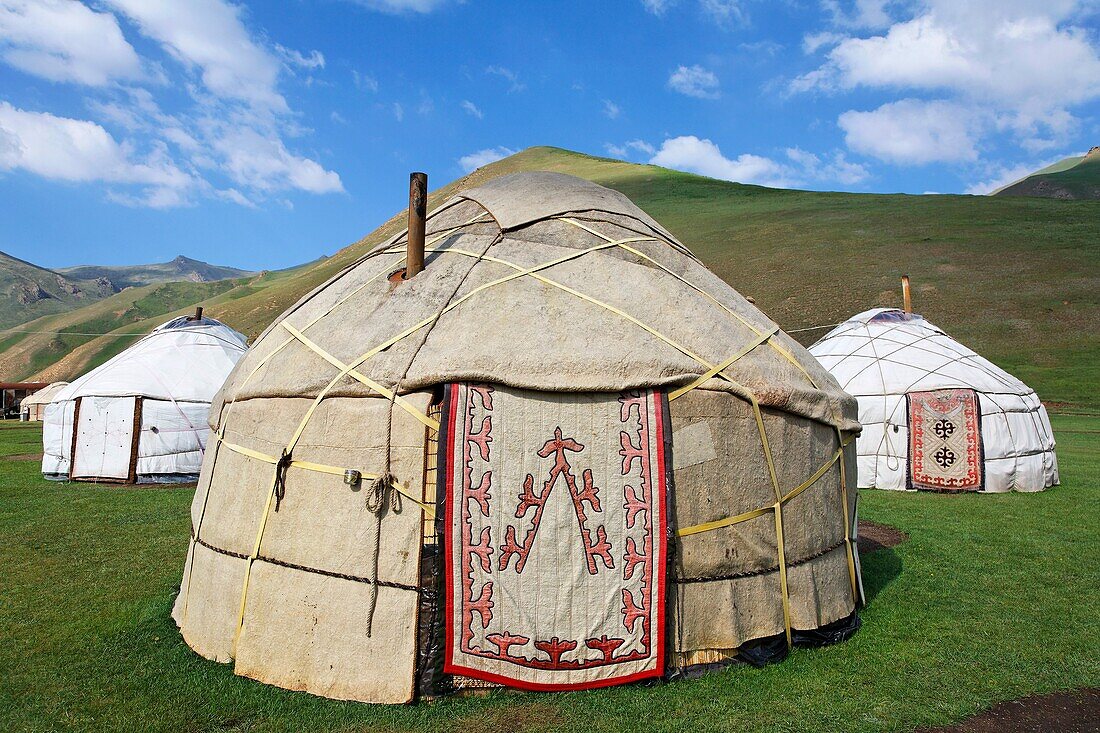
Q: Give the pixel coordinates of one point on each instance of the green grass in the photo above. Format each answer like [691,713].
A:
[993,597]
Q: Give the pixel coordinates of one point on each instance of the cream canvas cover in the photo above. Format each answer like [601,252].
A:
[35,404]
[314,558]
[161,388]
[882,355]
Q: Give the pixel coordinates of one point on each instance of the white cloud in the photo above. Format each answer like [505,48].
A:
[859,13]
[658,7]
[364,81]
[80,151]
[623,151]
[913,131]
[337,118]
[263,163]
[471,109]
[610,109]
[398,111]
[210,36]
[64,40]
[694,81]
[401,6]
[315,60]
[505,73]
[836,168]
[1017,66]
[473,161]
[725,12]
[690,153]
[811,42]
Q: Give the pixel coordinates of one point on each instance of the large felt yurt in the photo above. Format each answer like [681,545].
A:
[936,416]
[564,455]
[141,417]
[35,405]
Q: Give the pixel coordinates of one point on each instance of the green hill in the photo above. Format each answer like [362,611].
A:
[1015,278]
[1070,179]
[178,270]
[28,291]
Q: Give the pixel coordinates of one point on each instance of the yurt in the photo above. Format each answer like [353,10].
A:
[562,455]
[141,417]
[936,416]
[35,405]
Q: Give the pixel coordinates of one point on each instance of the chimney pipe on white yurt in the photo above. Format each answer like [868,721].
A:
[907,300]
[198,314]
[418,209]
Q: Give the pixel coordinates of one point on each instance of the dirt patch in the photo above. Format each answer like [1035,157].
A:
[874,536]
[1077,711]
[23,457]
[518,718]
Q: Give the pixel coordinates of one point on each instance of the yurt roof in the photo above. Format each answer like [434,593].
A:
[45,395]
[888,351]
[182,360]
[539,281]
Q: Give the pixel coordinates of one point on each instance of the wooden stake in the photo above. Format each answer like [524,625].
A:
[905,297]
[418,210]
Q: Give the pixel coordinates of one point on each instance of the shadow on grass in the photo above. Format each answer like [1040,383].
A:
[880,568]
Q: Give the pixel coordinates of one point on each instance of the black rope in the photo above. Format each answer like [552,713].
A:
[427,592]
[280,477]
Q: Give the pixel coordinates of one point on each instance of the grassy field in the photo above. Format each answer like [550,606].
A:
[992,597]
[1016,279]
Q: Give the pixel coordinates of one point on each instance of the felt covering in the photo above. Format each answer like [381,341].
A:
[527,333]
[301,580]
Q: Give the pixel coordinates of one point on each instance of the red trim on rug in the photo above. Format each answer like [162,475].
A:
[662,496]
[448,511]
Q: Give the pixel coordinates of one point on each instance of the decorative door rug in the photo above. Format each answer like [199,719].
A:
[945,440]
[555,535]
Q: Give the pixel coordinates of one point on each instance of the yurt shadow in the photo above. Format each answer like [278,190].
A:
[880,569]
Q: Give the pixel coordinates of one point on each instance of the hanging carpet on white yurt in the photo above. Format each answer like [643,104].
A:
[142,416]
[936,416]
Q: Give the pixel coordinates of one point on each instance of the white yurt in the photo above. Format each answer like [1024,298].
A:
[936,416]
[142,416]
[35,405]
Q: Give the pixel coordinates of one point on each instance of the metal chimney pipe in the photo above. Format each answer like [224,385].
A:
[198,314]
[418,210]
[907,300]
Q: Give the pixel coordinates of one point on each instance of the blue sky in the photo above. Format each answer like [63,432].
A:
[266,134]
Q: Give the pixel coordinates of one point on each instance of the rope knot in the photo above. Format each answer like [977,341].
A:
[280,477]
[381,489]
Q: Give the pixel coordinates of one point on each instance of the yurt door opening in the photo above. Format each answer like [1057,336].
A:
[105,439]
